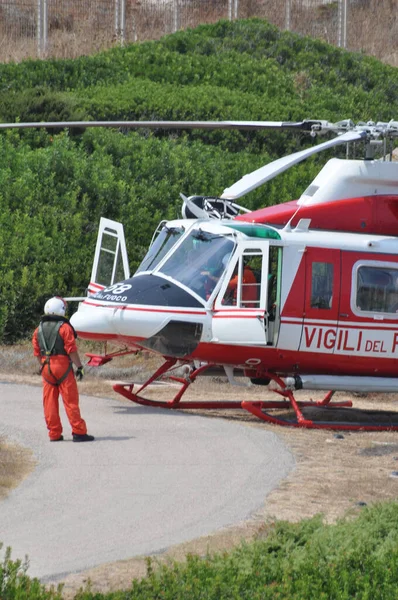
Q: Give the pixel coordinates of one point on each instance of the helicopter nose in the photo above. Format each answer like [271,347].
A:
[136,310]
[93,322]
[129,324]
[162,331]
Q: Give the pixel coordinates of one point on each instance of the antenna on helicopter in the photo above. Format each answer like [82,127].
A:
[288,226]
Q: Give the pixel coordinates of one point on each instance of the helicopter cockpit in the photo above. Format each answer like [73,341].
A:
[219,265]
[194,259]
[191,263]
[165,237]
[196,275]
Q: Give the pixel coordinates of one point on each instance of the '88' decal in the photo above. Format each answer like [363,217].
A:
[113,292]
[118,288]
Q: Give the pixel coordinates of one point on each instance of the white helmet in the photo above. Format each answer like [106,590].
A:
[55,306]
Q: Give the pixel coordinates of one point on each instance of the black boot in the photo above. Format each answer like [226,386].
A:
[82,437]
[60,439]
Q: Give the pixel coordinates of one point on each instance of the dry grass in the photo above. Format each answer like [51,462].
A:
[15,464]
[76,29]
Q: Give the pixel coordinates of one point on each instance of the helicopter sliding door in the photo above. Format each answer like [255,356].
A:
[110,259]
[322,300]
[240,316]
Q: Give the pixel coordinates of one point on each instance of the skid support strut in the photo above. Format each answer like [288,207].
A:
[127,390]
[257,408]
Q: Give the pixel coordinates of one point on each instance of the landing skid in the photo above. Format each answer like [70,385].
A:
[257,408]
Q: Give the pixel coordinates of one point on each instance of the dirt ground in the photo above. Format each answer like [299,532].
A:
[336,472]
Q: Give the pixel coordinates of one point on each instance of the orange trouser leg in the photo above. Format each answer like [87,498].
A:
[51,410]
[70,396]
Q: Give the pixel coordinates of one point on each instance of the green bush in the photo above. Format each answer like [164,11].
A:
[55,186]
[15,584]
[353,559]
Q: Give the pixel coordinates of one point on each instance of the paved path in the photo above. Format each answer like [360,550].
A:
[153,478]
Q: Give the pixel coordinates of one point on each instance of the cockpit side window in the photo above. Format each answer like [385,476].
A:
[377,289]
[164,241]
[108,254]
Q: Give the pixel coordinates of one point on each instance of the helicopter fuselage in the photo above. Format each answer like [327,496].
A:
[304,291]
[316,302]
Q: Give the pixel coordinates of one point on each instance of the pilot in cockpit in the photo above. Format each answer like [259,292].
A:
[213,272]
[197,262]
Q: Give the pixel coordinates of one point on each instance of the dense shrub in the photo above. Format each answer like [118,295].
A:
[355,558]
[54,187]
[15,583]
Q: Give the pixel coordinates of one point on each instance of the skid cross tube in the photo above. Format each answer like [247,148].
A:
[258,408]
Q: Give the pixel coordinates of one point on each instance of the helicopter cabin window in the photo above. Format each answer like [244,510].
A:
[110,262]
[377,289]
[244,287]
[322,285]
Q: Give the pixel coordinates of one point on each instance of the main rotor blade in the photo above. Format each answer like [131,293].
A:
[242,125]
[253,180]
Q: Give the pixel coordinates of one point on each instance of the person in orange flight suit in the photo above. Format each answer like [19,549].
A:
[249,288]
[55,347]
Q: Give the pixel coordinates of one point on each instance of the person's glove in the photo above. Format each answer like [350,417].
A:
[79,373]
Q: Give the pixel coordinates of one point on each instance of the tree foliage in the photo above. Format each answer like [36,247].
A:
[55,186]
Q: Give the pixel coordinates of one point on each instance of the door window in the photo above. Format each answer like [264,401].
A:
[110,260]
[244,287]
[322,285]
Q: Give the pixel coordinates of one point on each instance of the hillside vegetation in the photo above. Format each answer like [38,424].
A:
[54,187]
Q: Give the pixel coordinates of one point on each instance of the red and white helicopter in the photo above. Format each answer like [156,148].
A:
[303,294]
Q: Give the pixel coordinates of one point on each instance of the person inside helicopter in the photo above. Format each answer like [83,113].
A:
[249,286]
[213,271]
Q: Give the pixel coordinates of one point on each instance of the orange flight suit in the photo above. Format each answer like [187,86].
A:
[249,289]
[59,364]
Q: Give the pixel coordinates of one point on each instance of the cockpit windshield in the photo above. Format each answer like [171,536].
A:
[199,261]
[159,248]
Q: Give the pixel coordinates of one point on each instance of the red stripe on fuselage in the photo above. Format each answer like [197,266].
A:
[237,316]
[145,309]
